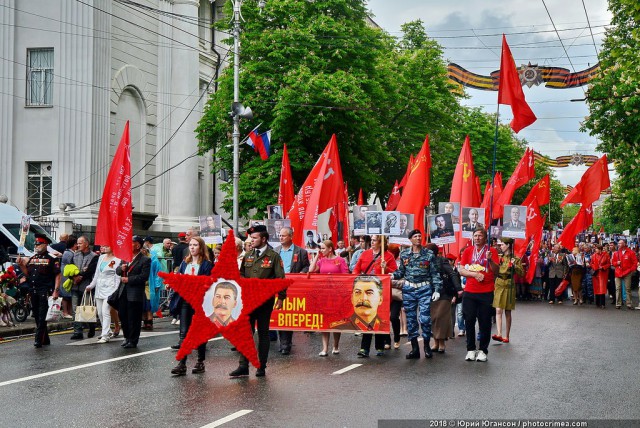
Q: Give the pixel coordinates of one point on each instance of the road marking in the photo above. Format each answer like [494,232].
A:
[346,369]
[94,341]
[84,366]
[226,419]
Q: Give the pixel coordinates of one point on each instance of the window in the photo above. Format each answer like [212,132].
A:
[40,77]
[39,188]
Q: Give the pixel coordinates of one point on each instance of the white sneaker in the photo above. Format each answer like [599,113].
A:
[103,340]
[482,357]
[174,321]
[178,322]
[471,356]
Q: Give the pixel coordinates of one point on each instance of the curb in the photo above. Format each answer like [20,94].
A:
[29,327]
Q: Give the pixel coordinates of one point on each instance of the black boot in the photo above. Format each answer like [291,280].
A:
[415,350]
[428,353]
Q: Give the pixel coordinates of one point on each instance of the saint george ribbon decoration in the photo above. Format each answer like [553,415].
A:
[231,320]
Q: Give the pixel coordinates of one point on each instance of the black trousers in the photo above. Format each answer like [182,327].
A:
[261,316]
[478,306]
[365,343]
[186,315]
[285,340]
[130,314]
[394,316]
[40,306]
[553,284]
[600,300]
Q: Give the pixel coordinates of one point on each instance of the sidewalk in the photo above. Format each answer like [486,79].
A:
[29,327]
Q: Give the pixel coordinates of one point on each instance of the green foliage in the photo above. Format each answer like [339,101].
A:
[620,210]
[614,105]
[310,69]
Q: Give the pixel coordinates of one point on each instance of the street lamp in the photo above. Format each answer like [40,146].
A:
[238,111]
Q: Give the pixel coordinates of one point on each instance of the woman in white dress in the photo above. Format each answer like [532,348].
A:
[105,282]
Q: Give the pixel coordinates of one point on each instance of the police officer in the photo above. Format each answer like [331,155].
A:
[264,263]
[42,272]
[422,283]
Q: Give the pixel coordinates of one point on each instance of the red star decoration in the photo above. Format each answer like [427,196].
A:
[254,293]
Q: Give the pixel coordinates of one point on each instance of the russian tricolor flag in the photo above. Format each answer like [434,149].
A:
[261,143]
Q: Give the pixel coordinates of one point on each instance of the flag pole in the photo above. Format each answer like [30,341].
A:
[493,175]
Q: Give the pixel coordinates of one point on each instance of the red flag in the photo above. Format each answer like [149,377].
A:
[510,91]
[534,224]
[463,188]
[525,171]
[403,182]
[323,189]
[580,222]
[497,192]
[478,195]
[540,192]
[360,198]
[394,197]
[592,183]
[343,213]
[115,226]
[416,192]
[533,257]
[285,192]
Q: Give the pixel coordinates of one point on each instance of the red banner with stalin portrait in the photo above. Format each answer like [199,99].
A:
[340,302]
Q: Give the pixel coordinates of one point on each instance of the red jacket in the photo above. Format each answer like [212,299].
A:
[600,260]
[624,262]
[375,268]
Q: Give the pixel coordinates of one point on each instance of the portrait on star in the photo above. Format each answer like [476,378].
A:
[222,303]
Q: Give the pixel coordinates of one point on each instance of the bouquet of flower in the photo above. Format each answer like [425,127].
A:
[9,278]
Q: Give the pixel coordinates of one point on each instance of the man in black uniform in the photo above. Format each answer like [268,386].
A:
[43,274]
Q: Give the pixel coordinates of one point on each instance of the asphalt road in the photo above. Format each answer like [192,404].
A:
[563,362]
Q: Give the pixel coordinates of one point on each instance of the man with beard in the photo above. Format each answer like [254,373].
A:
[42,272]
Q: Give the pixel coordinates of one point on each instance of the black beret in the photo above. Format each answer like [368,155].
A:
[413,232]
[138,239]
[257,229]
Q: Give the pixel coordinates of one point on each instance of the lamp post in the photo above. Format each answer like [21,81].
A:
[236,117]
[238,111]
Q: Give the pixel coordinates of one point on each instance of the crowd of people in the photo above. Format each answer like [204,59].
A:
[433,292]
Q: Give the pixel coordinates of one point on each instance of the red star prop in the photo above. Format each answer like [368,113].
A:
[254,293]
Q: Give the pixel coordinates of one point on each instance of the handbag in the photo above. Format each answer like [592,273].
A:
[54,313]
[86,311]
[113,299]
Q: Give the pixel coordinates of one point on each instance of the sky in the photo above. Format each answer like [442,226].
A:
[471,34]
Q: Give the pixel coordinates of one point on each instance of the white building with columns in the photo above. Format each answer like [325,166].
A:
[72,72]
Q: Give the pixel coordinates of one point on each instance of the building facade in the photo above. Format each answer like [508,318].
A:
[73,72]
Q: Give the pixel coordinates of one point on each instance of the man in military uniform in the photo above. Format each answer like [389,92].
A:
[422,284]
[42,272]
[441,230]
[263,263]
[366,296]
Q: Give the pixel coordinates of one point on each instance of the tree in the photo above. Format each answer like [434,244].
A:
[614,107]
[312,69]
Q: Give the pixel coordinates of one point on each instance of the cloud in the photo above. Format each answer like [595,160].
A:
[470,33]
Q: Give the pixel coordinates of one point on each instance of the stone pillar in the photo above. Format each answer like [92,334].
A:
[183,194]
[7,40]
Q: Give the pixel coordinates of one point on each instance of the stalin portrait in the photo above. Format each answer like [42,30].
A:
[366,297]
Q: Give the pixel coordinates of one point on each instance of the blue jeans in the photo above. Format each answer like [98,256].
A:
[417,305]
[460,317]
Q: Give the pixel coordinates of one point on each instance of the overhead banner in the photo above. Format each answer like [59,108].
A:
[341,303]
